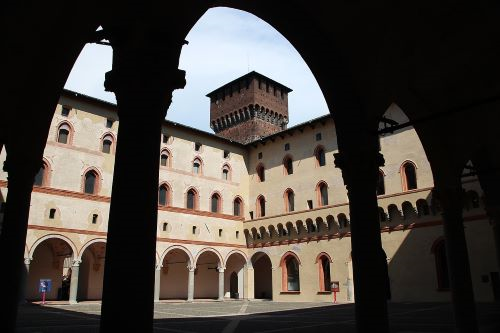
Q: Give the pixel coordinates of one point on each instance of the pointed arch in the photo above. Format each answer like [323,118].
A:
[192,198]
[166,158]
[320,156]
[260,205]
[108,143]
[227,172]
[215,202]
[322,193]
[91,181]
[164,194]
[65,132]
[408,171]
[289,200]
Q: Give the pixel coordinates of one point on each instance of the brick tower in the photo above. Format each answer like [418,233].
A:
[249,108]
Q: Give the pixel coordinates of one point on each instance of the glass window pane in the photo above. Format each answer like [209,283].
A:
[292,269]
[63,136]
[106,146]
[190,200]
[164,160]
[215,204]
[321,157]
[90,179]
[236,208]
[291,201]
[324,195]
[162,198]
[39,177]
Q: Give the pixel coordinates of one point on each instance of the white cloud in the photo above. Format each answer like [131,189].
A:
[223,45]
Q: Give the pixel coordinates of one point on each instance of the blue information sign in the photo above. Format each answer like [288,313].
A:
[45,286]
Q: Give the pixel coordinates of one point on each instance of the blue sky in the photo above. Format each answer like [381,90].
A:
[223,45]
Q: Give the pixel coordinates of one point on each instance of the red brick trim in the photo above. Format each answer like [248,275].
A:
[160,239]
[200,213]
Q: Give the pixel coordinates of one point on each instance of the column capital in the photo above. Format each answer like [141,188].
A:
[191,268]
[158,267]
[76,262]
[221,269]
[27,261]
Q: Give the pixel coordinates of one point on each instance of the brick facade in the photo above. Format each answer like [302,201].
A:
[248,108]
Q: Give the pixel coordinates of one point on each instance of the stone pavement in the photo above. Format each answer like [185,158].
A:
[254,316]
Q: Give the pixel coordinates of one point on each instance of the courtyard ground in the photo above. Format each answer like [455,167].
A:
[253,316]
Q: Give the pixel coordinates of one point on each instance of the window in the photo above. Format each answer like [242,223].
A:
[215,203]
[318,136]
[310,204]
[65,111]
[90,182]
[40,176]
[261,206]
[107,143]
[63,133]
[324,272]
[260,155]
[287,146]
[165,226]
[109,123]
[288,165]
[220,232]
[251,214]
[289,200]
[237,234]
[191,199]
[409,175]
[320,156]
[94,218]
[422,207]
[165,138]
[443,279]
[322,193]
[226,154]
[237,207]
[260,173]
[197,146]
[164,195]
[380,183]
[226,172]
[290,271]
[164,159]
[197,166]
[194,230]
[52,213]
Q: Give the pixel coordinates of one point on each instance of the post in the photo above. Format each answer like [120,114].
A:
[157,282]
[450,195]
[24,280]
[73,288]
[221,283]
[21,172]
[249,282]
[190,297]
[143,78]
[359,160]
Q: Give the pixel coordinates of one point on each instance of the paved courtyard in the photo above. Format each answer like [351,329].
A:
[255,316]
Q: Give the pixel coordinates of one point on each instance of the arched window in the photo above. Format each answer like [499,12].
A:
[422,207]
[291,273]
[226,172]
[324,261]
[91,180]
[320,156]
[165,158]
[64,133]
[197,166]
[191,199]
[107,144]
[409,175]
[289,200]
[237,207]
[322,194]
[215,203]
[261,206]
[443,279]
[288,165]
[380,183]
[164,195]
[260,173]
[41,176]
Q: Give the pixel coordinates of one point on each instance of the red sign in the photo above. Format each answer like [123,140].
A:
[335,286]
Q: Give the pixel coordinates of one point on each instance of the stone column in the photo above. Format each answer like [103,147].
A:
[359,161]
[24,280]
[73,288]
[157,282]
[450,196]
[221,283]
[21,172]
[191,284]
[143,77]
[249,282]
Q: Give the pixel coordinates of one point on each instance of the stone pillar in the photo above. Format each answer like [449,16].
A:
[359,161]
[24,280]
[21,173]
[143,77]
[191,284]
[490,184]
[73,288]
[249,283]
[450,197]
[221,283]
[157,282]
